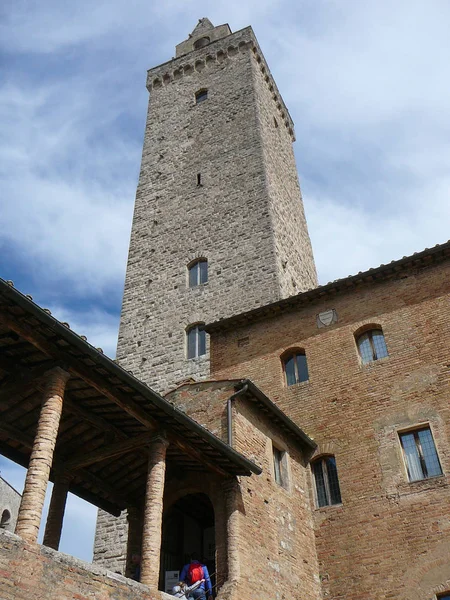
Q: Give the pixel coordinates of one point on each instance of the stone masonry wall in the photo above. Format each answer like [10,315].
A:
[229,219]
[245,217]
[389,538]
[9,503]
[295,262]
[33,572]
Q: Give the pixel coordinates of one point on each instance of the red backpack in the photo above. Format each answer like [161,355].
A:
[195,573]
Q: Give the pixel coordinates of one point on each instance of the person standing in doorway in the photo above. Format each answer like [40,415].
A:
[193,572]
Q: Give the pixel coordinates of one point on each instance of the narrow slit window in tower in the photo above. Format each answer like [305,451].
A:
[201,96]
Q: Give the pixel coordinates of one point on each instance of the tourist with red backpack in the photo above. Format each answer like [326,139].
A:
[195,571]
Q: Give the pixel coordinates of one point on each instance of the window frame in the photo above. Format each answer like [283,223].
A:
[280,471]
[369,332]
[196,329]
[322,461]
[420,453]
[5,519]
[293,354]
[196,264]
[201,95]
[443,595]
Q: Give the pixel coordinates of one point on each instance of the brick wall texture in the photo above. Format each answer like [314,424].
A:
[389,538]
[276,541]
[32,572]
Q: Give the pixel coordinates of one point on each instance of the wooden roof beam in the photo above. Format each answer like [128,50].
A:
[26,379]
[73,364]
[76,366]
[73,407]
[111,451]
[59,465]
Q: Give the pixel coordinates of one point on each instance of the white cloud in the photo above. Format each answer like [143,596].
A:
[99,326]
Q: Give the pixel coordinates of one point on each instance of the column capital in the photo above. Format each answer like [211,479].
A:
[60,374]
[160,438]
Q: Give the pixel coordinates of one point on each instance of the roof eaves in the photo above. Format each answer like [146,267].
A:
[73,338]
[370,276]
[279,414]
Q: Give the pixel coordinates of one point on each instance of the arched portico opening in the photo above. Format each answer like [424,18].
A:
[5,522]
[188,526]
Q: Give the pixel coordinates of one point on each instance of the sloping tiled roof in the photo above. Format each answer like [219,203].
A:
[427,257]
[104,405]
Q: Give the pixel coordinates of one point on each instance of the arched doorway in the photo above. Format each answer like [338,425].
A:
[188,526]
[5,521]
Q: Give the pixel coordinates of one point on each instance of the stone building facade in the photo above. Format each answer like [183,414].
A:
[9,505]
[388,535]
[218,183]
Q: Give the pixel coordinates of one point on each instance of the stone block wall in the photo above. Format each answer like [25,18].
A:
[390,538]
[245,217]
[9,505]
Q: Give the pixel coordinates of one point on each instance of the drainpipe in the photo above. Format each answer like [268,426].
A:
[229,413]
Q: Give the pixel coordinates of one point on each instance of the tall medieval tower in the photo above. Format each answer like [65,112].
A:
[219,226]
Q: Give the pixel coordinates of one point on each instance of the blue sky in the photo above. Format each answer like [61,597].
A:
[367,85]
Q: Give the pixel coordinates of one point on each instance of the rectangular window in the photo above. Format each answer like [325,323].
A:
[302,368]
[280,471]
[193,275]
[420,454]
[444,596]
[327,483]
[289,367]
[203,271]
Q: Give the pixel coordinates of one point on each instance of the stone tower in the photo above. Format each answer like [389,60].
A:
[219,226]
[218,195]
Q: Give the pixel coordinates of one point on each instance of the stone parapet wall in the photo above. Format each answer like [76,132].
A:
[34,572]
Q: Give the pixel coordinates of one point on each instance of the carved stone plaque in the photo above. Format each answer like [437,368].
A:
[324,319]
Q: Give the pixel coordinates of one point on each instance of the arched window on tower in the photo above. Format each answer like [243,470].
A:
[371,345]
[198,272]
[326,481]
[295,366]
[196,340]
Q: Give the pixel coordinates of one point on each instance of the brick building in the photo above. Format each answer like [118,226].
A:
[362,364]
[302,444]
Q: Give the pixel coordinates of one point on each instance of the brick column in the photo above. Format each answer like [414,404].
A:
[30,511]
[152,530]
[134,540]
[232,493]
[56,510]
